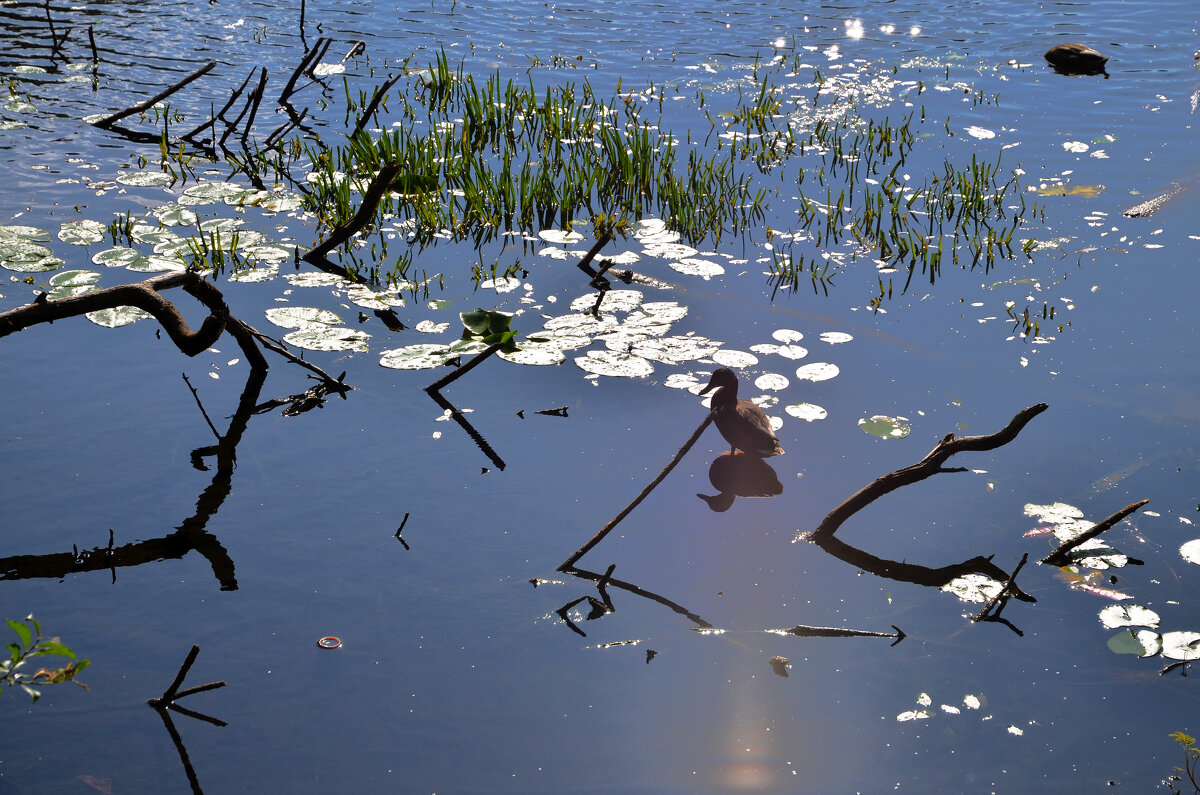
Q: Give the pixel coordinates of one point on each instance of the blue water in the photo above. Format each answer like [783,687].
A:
[455,673]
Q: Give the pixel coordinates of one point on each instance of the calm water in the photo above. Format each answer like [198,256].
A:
[455,674]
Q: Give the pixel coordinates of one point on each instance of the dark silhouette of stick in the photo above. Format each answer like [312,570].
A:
[1059,556]
[1005,591]
[369,111]
[596,539]
[366,213]
[108,121]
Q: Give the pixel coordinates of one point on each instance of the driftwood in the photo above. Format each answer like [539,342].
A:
[366,213]
[108,121]
[931,464]
[146,296]
[1059,556]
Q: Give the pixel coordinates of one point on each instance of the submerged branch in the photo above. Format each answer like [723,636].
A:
[1059,555]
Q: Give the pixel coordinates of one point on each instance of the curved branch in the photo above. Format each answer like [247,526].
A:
[931,464]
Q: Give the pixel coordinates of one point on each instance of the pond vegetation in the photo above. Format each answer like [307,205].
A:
[689,205]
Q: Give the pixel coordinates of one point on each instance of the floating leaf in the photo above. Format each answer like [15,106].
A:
[914,714]
[117,316]
[82,233]
[973,588]
[559,236]
[119,257]
[1181,645]
[429,327]
[817,371]
[786,335]
[886,427]
[211,192]
[614,301]
[319,337]
[806,411]
[27,257]
[835,337]
[145,179]
[693,266]
[367,298]
[505,285]
[1191,551]
[1087,191]
[980,132]
[771,382]
[16,232]
[299,317]
[174,215]
[734,359]
[614,363]
[535,353]
[254,274]
[672,350]
[68,284]
[1115,616]
[313,279]
[416,357]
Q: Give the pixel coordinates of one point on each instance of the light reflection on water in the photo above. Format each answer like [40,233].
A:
[452,678]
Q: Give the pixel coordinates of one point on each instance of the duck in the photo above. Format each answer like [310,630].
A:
[741,423]
[1074,58]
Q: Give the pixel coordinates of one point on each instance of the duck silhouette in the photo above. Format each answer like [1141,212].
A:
[1073,58]
[743,424]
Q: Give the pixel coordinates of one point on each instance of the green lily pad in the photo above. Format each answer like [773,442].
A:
[68,284]
[175,215]
[119,257]
[26,257]
[17,233]
[117,316]
[1143,643]
[886,427]
[82,233]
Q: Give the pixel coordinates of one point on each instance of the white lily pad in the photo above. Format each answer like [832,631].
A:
[806,411]
[313,279]
[156,265]
[694,266]
[771,382]
[270,253]
[676,251]
[835,337]
[1191,551]
[535,353]
[559,236]
[1181,645]
[367,298]
[672,350]
[82,233]
[145,179]
[1115,616]
[817,371]
[734,359]
[615,363]
[175,215]
[212,192]
[416,357]
[786,335]
[973,588]
[299,317]
[614,301]
[319,337]
[258,274]
[503,285]
[429,327]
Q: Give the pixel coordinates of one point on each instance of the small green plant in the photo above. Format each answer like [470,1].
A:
[31,645]
[1191,759]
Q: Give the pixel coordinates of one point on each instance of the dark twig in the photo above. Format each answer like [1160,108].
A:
[373,105]
[596,539]
[1059,556]
[1001,597]
[457,416]
[459,372]
[931,464]
[366,213]
[310,59]
[108,121]
[196,397]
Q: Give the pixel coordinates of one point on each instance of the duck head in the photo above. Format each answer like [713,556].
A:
[726,381]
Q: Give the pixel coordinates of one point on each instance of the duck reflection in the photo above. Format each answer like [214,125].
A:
[737,475]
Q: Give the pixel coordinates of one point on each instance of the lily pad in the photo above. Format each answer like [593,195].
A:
[1181,645]
[119,257]
[535,353]
[68,284]
[615,363]
[28,257]
[145,179]
[313,279]
[262,274]
[117,316]
[806,411]
[429,327]
[1191,551]
[1143,643]
[614,301]
[299,317]
[886,427]
[734,359]
[416,357]
[369,299]
[559,236]
[817,371]
[694,266]
[174,215]
[1115,616]
[318,337]
[974,588]
[17,232]
[672,350]
[835,337]
[82,233]
[771,382]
